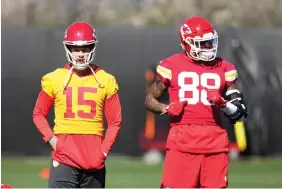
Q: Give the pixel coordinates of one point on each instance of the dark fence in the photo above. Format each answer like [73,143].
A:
[29,53]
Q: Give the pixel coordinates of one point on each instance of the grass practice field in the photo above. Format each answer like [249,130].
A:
[133,173]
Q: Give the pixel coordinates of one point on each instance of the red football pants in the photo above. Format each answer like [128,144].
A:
[185,170]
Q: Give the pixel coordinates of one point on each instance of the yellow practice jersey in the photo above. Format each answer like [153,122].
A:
[79,108]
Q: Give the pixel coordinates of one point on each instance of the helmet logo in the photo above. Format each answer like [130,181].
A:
[198,28]
[186,29]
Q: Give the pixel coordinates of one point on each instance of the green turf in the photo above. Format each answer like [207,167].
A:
[126,173]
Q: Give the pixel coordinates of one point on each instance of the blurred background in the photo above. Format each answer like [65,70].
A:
[134,35]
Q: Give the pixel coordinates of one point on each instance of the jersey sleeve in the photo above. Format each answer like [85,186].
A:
[112,87]
[47,84]
[164,71]
[231,74]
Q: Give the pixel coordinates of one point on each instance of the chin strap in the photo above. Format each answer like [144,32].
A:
[95,76]
[70,72]
[68,78]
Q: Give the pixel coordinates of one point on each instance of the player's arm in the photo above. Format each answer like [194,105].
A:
[159,86]
[232,103]
[154,94]
[235,108]
[42,107]
[113,114]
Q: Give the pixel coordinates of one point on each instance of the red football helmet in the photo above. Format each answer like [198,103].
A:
[80,34]
[199,39]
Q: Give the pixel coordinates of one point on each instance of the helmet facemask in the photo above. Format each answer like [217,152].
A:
[203,48]
[74,56]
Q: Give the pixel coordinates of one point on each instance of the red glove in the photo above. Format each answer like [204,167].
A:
[99,160]
[175,108]
[215,98]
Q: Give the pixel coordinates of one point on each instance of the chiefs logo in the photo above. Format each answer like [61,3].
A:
[185,29]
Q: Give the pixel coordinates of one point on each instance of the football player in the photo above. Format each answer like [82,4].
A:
[200,86]
[81,93]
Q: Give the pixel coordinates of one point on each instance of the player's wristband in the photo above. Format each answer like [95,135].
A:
[52,139]
[229,109]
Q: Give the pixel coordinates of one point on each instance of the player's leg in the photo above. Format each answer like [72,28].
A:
[181,170]
[93,179]
[63,176]
[214,171]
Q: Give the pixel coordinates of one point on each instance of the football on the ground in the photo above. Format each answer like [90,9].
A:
[153,157]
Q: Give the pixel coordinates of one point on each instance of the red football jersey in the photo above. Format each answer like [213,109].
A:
[186,81]
[199,128]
